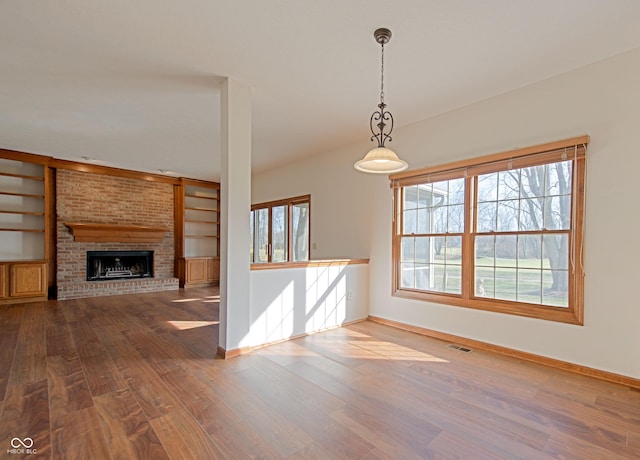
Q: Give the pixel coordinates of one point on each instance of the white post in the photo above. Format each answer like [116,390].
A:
[235,188]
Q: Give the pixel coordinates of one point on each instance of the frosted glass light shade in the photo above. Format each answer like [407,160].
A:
[381,160]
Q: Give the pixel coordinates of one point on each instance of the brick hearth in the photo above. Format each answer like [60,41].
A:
[95,198]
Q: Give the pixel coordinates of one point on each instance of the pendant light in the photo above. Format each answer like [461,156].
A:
[381,160]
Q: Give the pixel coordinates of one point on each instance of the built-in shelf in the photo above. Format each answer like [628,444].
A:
[197,230]
[210,196]
[203,221]
[27,230]
[21,176]
[104,233]
[200,209]
[24,195]
[24,231]
[25,213]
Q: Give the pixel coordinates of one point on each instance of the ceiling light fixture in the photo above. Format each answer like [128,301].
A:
[381,160]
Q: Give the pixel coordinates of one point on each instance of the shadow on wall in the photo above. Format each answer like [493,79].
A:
[294,301]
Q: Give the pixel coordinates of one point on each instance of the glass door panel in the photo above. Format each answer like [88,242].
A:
[279,237]
[261,236]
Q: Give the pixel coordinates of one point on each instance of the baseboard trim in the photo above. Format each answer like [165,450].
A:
[224,354]
[228,354]
[552,362]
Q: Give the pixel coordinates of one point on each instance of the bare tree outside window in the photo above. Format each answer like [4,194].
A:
[530,203]
[300,231]
[280,230]
[501,232]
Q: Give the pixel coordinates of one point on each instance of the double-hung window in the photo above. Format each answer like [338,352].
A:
[280,230]
[502,232]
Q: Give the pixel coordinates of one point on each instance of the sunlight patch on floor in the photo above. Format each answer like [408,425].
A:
[183,325]
[388,350]
[358,349]
[207,299]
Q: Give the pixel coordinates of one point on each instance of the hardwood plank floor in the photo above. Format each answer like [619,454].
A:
[136,376]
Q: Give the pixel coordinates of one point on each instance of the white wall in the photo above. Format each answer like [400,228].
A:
[339,201]
[288,302]
[602,100]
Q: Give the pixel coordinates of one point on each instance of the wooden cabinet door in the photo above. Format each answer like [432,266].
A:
[28,280]
[196,271]
[213,269]
[4,282]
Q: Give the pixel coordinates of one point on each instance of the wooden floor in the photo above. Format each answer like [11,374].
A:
[130,377]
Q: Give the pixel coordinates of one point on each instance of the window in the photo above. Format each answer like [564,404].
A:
[500,233]
[280,230]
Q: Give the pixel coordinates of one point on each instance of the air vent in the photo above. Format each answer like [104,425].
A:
[459,348]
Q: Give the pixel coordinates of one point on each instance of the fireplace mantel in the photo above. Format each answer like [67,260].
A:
[107,233]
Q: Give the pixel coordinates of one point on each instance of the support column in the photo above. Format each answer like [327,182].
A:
[235,187]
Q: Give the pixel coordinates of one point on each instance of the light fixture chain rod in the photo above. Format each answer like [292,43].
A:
[381,121]
[382,75]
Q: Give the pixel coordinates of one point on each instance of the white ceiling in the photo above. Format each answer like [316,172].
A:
[135,84]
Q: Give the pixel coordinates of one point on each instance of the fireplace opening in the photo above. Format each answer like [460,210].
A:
[113,265]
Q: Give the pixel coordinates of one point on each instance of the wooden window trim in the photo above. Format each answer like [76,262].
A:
[573,149]
[286,201]
[289,202]
[537,150]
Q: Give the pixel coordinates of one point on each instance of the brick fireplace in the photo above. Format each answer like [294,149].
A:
[101,199]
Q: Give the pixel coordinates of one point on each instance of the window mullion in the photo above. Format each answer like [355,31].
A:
[289,232]
[397,233]
[270,237]
[467,240]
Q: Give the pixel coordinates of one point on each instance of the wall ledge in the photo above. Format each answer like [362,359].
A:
[309,263]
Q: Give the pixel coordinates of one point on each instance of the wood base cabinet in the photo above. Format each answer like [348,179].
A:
[197,271]
[4,282]
[23,281]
